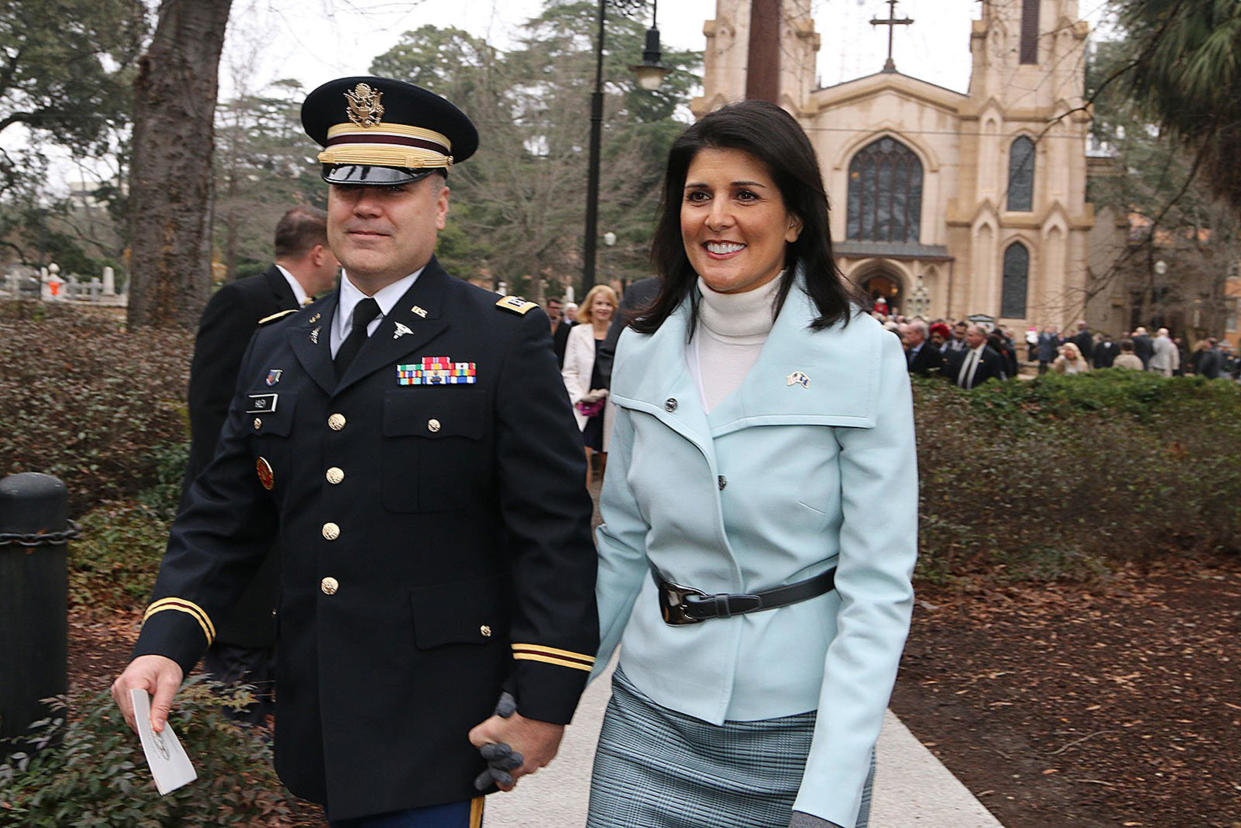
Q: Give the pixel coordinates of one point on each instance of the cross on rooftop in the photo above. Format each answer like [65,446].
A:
[892,22]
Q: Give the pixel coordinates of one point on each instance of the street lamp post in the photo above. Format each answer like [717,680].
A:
[650,74]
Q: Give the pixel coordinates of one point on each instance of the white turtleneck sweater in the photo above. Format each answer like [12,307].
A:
[731,332]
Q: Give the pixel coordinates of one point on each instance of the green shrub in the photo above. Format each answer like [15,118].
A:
[1066,476]
[112,566]
[91,770]
[88,402]
[168,464]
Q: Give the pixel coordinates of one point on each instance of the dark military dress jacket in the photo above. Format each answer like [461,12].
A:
[434,537]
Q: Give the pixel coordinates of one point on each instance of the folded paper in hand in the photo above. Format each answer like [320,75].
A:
[165,756]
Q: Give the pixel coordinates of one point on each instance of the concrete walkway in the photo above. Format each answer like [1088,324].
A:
[912,787]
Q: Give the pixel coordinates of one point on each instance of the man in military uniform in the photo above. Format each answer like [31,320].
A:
[408,443]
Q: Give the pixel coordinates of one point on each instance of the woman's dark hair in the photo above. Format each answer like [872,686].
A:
[770,134]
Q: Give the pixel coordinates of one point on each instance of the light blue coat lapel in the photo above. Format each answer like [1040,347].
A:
[666,378]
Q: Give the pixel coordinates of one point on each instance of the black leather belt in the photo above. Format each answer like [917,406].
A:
[685,605]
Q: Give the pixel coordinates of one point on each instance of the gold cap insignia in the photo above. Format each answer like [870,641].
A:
[365,110]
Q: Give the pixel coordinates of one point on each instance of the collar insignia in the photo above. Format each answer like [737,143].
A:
[420,311]
[400,331]
[314,336]
[364,109]
[273,376]
[315,318]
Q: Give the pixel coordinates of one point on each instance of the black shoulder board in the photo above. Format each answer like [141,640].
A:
[266,320]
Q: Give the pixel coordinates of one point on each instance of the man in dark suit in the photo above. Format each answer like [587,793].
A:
[304,266]
[1083,340]
[1143,347]
[923,359]
[1047,348]
[560,327]
[1105,352]
[976,364]
[408,441]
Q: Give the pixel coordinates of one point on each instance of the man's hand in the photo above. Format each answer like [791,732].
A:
[157,675]
[536,741]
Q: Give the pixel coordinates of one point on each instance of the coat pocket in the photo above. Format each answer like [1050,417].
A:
[435,455]
[460,612]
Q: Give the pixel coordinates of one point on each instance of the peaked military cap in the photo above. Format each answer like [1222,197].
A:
[381,132]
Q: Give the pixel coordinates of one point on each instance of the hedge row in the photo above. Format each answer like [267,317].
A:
[82,399]
[1068,475]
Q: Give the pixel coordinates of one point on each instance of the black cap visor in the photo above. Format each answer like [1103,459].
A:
[369,175]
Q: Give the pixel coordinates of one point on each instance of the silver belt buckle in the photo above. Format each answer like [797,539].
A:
[672,603]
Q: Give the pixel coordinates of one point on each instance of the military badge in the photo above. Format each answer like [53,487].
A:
[798,378]
[262,403]
[516,304]
[364,109]
[400,331]
[273,376]
[314,337]
[437,371]
[420,311]
[266,476]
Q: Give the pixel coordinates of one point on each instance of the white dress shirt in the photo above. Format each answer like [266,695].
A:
[350,295]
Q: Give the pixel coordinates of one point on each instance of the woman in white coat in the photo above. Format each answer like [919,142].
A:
[760,517]
[581,378]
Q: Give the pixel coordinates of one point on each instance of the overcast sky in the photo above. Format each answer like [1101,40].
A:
[317,40]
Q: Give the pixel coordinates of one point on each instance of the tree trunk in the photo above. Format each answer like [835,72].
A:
[170,174]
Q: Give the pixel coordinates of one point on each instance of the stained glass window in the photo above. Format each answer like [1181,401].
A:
[885,193]
[1021,175]
[1016,281]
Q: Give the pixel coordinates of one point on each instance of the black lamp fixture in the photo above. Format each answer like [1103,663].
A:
[650,74]
[650,71]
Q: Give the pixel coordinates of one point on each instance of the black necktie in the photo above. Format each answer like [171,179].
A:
[363,313]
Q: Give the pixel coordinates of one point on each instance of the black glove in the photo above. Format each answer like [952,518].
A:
[499,756]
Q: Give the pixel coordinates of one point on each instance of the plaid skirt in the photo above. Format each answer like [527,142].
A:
[657,768]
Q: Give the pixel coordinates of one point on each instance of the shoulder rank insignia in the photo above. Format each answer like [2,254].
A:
[516,304]
[280,315]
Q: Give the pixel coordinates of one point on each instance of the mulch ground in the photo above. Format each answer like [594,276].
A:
[1116,703]
[1113,703]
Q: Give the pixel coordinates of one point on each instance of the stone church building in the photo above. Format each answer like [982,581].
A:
[946,204]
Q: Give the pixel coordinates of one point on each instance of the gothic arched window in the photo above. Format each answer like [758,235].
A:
[1021,175]
[1016,281]
[885,193]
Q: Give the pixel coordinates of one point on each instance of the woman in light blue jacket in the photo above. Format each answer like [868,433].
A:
[760,512]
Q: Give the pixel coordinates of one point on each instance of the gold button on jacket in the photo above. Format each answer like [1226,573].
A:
[433,425]
[335,475]
[329,586]
[331,531]
[336,422]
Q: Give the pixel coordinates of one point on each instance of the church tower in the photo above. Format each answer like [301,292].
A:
[947,204]
[1021,208]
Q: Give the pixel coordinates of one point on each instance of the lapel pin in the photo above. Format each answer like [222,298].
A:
[314,336]
[315,318]
[273,376]
[420,311]
[799,378]
[400,331]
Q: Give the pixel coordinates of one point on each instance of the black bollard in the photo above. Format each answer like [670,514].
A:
[34,624]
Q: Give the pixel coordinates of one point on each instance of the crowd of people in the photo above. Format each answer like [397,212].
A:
[942,348]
